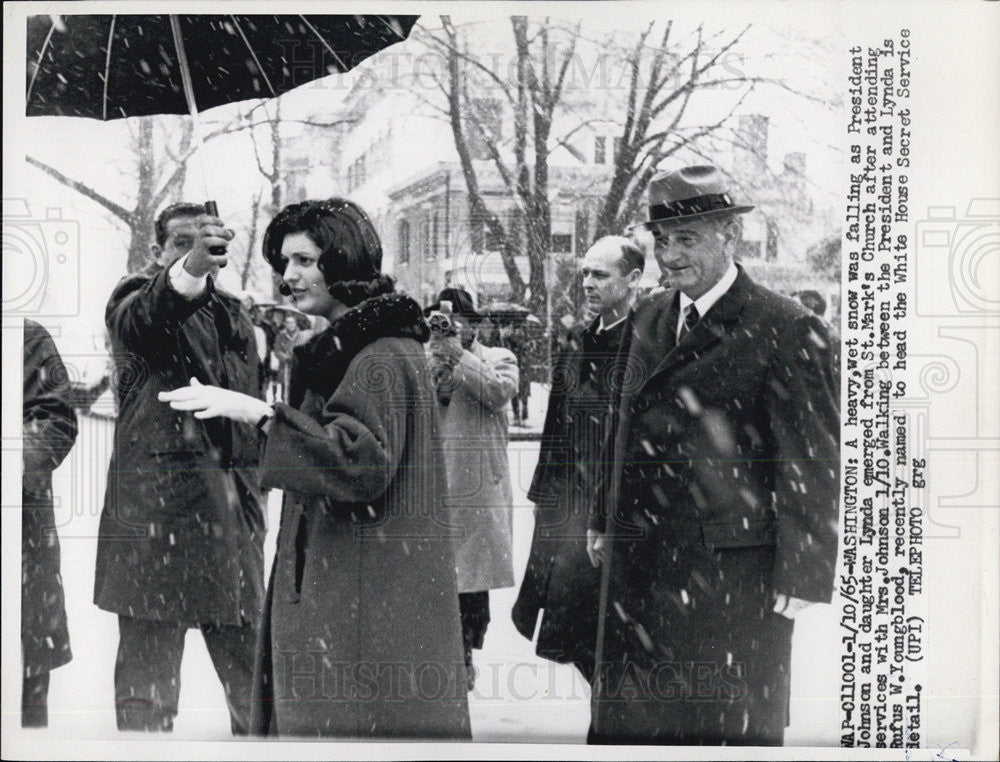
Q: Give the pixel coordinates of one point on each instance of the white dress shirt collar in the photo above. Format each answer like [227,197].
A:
[601,328]
[706,301]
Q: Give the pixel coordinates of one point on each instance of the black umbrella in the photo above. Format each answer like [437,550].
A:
[112,66]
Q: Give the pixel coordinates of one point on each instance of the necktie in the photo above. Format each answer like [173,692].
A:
[691,318]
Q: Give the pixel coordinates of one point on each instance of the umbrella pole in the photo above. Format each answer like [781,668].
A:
[188,86]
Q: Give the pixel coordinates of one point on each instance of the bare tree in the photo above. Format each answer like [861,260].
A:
[662,79]
[533,96]
[648,106]
[274,153]
[247,270]
[160,175]
[161,148]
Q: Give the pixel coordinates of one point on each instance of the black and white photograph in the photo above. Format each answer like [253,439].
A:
[502,379]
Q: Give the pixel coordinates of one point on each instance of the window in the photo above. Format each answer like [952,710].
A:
[600,150]
[361,170]
[425,238]
[432,248]
[356,173]
[582,231]
[404,242]
[562,243]
[477,233]
[771,245]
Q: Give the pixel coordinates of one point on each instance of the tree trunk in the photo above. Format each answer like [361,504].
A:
[143,215]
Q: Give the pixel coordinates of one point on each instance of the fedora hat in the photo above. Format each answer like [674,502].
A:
[461,303]
[690,193]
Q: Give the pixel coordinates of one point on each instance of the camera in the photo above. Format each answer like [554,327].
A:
[441,323]
[956,260]
[41,262]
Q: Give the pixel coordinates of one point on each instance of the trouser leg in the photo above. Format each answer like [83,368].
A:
[232,649]
[474,610]
[34,701]
[148,673]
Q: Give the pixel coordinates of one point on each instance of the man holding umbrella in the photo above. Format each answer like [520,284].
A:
[180,542]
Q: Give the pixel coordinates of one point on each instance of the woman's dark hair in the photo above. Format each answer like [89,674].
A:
[350,251]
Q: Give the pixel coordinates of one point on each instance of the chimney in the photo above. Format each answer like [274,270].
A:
[751,148]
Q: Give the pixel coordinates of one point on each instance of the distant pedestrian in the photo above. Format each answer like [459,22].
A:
[813,300]
[285,342]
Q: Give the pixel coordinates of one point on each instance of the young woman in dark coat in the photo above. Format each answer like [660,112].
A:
[360,635]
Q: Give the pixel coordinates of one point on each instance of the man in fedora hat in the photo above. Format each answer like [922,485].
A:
[717,517]
[474,386]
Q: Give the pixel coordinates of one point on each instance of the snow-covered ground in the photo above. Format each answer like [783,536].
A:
[518,696]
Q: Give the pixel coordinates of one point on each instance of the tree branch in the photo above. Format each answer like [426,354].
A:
[116,209]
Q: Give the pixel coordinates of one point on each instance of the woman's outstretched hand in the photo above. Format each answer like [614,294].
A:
[215,402]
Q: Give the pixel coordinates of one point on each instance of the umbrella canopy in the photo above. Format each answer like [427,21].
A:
[114,66]
[508,312]
[302,320]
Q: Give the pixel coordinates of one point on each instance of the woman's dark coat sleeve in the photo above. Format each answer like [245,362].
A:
[351,458]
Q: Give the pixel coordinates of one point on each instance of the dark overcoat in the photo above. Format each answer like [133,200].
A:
[182,531]
[360,636]
[724,481]
[559,577]
[48,434]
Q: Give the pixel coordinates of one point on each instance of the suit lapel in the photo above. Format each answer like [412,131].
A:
[715,324]
[648,337]
[654,338]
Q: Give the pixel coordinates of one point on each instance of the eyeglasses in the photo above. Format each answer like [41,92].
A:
[687,238]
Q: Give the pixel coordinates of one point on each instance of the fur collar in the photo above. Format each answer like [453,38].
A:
[322,361]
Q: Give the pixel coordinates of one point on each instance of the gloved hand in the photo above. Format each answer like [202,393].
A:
[214,402]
